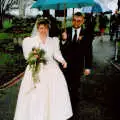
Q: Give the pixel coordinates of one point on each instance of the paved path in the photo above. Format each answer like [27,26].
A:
[8,101]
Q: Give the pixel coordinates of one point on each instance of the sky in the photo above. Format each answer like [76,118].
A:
[110,4]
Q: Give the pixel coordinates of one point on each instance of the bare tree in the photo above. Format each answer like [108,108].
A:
[4,6]
[21,5]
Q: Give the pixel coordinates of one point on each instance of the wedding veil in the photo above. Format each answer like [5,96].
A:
[34,31]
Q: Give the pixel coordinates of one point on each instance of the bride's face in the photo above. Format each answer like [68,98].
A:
[43,29]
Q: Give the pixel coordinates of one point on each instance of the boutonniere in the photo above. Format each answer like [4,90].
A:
[80,37]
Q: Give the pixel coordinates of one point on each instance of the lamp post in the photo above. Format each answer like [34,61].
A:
[118,4]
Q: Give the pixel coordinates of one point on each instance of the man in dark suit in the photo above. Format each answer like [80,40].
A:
[78,54]
[115,25]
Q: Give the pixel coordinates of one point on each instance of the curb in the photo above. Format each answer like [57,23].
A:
[12,82]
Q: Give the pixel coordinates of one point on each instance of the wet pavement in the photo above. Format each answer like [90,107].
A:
[100,96]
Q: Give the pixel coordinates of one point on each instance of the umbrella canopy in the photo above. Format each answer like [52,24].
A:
[96,8]
[61,4]
[86,9]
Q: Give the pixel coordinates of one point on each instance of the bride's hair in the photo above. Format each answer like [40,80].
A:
[42,21]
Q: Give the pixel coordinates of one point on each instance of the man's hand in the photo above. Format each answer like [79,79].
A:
[64,64]
[87,72]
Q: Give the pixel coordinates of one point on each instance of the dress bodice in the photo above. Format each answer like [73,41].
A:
[51,47]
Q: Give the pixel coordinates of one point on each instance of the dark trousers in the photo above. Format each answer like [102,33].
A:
[74,87]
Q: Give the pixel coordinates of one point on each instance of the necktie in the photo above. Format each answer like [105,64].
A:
[75,36]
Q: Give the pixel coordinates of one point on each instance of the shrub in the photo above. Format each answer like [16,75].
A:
[7,24]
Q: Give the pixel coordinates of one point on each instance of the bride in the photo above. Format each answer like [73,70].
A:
[49,100]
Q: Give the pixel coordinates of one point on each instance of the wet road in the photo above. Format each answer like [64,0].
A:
[109,77]
[100,92]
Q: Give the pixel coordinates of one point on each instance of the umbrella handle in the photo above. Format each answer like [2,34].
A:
[64,17]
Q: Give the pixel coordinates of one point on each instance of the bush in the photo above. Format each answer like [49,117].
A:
[10,66]
[5,36]
[6,59]
[7,24]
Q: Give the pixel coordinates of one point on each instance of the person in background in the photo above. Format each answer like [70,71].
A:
[102,25]
[115,25]
[90,22]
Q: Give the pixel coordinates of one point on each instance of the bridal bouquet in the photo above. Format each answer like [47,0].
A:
[36,56]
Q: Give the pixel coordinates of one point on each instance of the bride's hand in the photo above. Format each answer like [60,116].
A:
[27,37]
[35,53]
[64,64]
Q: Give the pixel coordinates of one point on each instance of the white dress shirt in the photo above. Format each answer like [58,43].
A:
[78,32]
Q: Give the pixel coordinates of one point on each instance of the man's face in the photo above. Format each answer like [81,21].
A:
[77,21]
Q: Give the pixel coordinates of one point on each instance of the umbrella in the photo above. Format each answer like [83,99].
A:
[61,5]
[86,9]
[96,8]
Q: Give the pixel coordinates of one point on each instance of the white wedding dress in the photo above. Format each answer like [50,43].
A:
[50,99]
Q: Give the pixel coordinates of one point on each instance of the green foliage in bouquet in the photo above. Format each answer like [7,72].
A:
[36,56]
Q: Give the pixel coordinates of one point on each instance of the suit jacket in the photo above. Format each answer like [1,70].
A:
[65,50]
[80,53]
